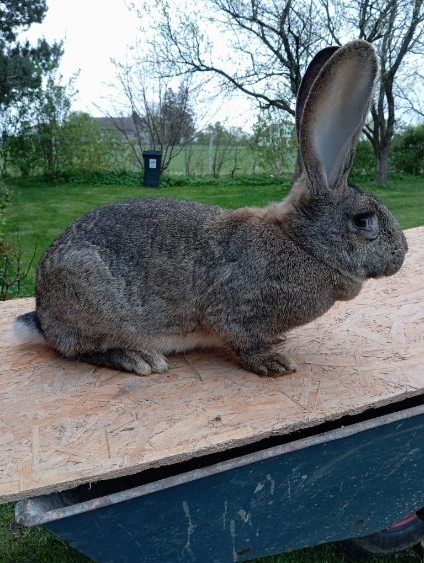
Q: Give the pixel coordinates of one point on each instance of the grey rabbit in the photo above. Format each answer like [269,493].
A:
[133,281]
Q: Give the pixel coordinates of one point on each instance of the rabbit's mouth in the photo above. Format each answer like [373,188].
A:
[389,268]
[395,264]
[397,259]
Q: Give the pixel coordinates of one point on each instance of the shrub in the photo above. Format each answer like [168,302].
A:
[11,270]
[96,177]
[24,153]
[408,151]
[364,162]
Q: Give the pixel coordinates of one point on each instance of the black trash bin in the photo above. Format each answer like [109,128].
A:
[152,160]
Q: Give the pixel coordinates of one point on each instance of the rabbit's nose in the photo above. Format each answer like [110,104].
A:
[397,258]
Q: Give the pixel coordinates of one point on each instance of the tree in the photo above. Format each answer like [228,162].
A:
[21,70]
[34,137]
[268,45]
[12,270]
[52,105]
[220,148]
[395,27]
[85,146]
[223,147]
[273,142]
[364,160]
[7,125]
[21,64]
[175,117]
[408,150]
[24,149]
[162,117]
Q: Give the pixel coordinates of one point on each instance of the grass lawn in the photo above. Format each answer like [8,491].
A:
[39,212]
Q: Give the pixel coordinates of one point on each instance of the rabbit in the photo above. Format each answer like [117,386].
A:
[131,282]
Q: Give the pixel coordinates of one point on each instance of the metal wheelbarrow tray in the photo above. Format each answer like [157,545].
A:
[211,463]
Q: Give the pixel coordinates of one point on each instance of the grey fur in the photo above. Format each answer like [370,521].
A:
[127,279]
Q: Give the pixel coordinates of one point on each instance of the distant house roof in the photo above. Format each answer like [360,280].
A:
[123,124]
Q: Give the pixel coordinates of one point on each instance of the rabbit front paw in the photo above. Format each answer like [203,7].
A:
[267,364]
[141,362]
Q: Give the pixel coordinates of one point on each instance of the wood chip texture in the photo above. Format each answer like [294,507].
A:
[64,423]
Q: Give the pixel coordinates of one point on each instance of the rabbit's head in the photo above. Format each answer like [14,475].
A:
[335,221]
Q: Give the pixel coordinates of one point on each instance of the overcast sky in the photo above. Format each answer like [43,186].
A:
[94,31]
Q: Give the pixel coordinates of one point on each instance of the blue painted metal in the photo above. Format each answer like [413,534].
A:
[338,485]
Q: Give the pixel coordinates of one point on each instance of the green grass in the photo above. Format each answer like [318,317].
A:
[21,545]
[39,212]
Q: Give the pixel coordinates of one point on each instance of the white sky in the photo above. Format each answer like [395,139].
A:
[96,30]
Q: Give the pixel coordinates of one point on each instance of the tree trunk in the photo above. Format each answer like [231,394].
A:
[383,166]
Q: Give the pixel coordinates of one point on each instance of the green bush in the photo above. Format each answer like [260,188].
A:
[176,181]
[84,146]
[273,143]
[408,151]
[12,272]
[135,179]
[24,151]
[95,177]
[220,182]
[4,202]
[364,162]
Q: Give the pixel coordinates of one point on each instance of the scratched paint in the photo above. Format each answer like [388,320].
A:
[245,516]
[272,483]
[205,519]
[190,529]
[259,487]
[224,516]
[233,538]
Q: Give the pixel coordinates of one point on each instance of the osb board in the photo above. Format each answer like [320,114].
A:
[64,423]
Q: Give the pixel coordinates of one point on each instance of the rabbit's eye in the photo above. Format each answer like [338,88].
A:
[366,223]
[362,221]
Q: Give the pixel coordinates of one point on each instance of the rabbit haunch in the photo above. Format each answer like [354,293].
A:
[129,282]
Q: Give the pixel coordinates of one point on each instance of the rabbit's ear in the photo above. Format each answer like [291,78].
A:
[334,113]
[308,79]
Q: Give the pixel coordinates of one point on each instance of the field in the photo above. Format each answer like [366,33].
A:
[238,159]
[39,212]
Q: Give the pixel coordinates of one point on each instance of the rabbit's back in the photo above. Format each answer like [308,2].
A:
[140,265]
[131,234]
[129,227]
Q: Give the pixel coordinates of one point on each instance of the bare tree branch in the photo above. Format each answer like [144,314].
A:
[395,27]
[160,117]
[269,45]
